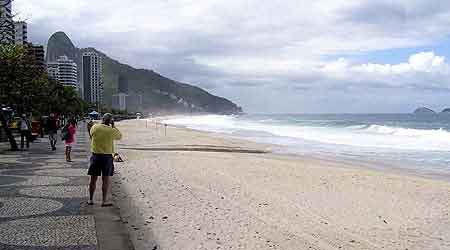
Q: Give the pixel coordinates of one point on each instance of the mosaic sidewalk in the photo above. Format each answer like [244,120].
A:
[42,198]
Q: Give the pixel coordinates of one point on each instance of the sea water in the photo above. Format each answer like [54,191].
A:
[418,142]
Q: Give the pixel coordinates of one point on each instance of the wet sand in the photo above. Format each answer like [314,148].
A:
[195,190]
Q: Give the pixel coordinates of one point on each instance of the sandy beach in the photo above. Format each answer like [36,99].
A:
[195,190]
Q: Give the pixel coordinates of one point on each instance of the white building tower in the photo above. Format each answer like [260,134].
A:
[21,33]
[7,28]
[53,70]
[65,71]
[92,78]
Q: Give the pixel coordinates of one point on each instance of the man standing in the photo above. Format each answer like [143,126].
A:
[102,146]
[25,128]
[52,129]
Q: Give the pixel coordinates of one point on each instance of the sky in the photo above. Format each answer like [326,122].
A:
[285,56]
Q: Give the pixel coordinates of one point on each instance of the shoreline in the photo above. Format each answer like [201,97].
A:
[283,151]
[207,200]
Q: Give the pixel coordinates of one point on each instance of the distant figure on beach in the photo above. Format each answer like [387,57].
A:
[102,146]
[25,130]
[52,130]
[69,138]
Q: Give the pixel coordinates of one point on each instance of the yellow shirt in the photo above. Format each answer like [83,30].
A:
[103,137]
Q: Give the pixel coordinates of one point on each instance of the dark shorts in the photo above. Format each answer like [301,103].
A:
[101,165]
[52,135]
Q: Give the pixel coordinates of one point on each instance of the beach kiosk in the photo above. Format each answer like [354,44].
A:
[94,115]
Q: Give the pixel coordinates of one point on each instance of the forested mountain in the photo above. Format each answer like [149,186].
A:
[159,93]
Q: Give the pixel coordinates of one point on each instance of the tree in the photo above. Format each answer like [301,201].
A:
[8,55]
[22,81]
[26,88]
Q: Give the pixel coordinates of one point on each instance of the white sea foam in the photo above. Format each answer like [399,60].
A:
[368,136]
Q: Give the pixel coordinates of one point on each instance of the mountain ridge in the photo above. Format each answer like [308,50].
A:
[159,94]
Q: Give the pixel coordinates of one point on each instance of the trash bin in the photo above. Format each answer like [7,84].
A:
[35,129]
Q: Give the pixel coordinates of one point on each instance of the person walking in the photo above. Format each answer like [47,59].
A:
[70,138]
[102,147]
[25,127]
[52,130]
[89,125]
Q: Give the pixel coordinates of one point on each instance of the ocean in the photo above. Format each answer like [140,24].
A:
[414,142]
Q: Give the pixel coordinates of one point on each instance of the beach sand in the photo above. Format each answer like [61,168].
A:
[190,190]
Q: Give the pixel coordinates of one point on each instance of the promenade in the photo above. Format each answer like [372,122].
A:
[43,201]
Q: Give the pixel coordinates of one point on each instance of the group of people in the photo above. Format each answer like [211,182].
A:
[51,126]
[102,138]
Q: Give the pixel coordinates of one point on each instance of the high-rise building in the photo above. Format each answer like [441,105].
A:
[21,33]
[7,28]
[119,101]
[131,102]
[92,77]
[64,70]
[53,70]
[37,53]
[68,71]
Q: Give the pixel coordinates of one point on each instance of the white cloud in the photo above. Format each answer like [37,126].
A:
[337,68]
[423,62]
[427,61]
[423,70]
[271,44]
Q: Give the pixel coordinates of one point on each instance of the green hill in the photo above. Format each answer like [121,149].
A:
[159,93]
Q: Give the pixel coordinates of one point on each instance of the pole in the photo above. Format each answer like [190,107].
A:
[165,129]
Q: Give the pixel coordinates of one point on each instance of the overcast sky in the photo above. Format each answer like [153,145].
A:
[286,56]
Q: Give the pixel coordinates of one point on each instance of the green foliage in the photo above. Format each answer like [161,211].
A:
[25,87]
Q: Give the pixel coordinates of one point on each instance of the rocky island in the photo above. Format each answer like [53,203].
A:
[424,110]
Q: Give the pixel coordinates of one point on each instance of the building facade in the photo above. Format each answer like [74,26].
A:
[119,101]
[68,71]
[131,102]
[37,53]
[53,70]
[65,71]
[92,78]
[7,28]
[21,33]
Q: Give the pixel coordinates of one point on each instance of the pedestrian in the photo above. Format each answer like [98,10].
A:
[70,138]
[52,130]
[102,146]
[89,126]
[43,125]
[25,127]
